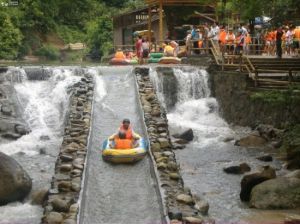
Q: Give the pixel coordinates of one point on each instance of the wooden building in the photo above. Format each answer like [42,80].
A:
[163,17]
[127,23]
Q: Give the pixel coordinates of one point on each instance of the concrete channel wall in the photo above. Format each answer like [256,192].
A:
[62,204]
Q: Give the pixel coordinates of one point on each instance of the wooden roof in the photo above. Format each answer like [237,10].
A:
[174,2]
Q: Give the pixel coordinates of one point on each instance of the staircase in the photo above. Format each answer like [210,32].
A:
[274,73]
[265,73]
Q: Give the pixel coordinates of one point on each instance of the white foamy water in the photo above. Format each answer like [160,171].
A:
[44,108]
[18,213]
[203,160]
[44,105]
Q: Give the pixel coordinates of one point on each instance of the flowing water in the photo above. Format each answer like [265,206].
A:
[44,104]
[117,193]
[203,160]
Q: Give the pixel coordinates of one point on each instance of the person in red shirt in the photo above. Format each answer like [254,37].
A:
[138,48]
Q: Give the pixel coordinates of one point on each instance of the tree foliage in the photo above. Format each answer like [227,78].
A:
[10,38]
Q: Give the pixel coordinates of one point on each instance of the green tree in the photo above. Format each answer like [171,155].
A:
[99,36]
[10,38]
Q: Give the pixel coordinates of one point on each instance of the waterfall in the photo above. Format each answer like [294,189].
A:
[44,98]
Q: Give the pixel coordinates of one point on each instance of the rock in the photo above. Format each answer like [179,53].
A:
[269,132]
[228,139]
[66,167]
[184,198]
[69,221]
[155,113]
[43,151]
[172,166]
[38,197]
[294,174]
[6,110]
[54,218]
[242,168]
[74,208]
[251,180]
[192,220]
[76,184]
[187,135]
[64,186]
[174,176]
[202,206]
[279,193]
[161,166]
[265,158]
[164,143]
[251,141]
[21,129]
[60,205]
[174,213]
[293,164]
[150,97]
[66,157]
[181,141]
[11,136]
[15,183]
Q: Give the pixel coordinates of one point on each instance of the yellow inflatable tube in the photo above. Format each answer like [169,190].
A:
[124,155]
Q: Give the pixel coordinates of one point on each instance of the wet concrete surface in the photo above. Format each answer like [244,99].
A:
[117,193]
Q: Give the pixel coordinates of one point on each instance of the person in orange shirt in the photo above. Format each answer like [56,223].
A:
[248,42]
[222,39]
[120,54]
[230,41]
[296,41]
[121,142]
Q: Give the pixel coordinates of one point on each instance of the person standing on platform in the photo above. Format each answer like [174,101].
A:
[279,33]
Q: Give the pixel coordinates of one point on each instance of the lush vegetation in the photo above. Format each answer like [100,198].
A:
[39,27]
[25,29]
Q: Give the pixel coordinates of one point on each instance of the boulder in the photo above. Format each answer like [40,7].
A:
[251,180]
[293,164]
[242,168]
[294,174]
[251,141]
[187,135]
[269,132]
[21,129]
[15,183]
[265,158]
[279,193]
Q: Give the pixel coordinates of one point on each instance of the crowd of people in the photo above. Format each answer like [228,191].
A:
[275,41]
[282,40]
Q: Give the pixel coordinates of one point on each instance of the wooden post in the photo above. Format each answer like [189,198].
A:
[222,61]
[256,78]
[149,25]
[160,21]
[290,76]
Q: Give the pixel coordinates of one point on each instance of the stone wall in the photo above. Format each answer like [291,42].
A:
[62,203]
[238,107]
[178,202]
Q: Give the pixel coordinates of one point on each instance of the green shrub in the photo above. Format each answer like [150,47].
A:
[49,52]
[69,34]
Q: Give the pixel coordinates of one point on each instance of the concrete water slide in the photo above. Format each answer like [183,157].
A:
[117,193]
